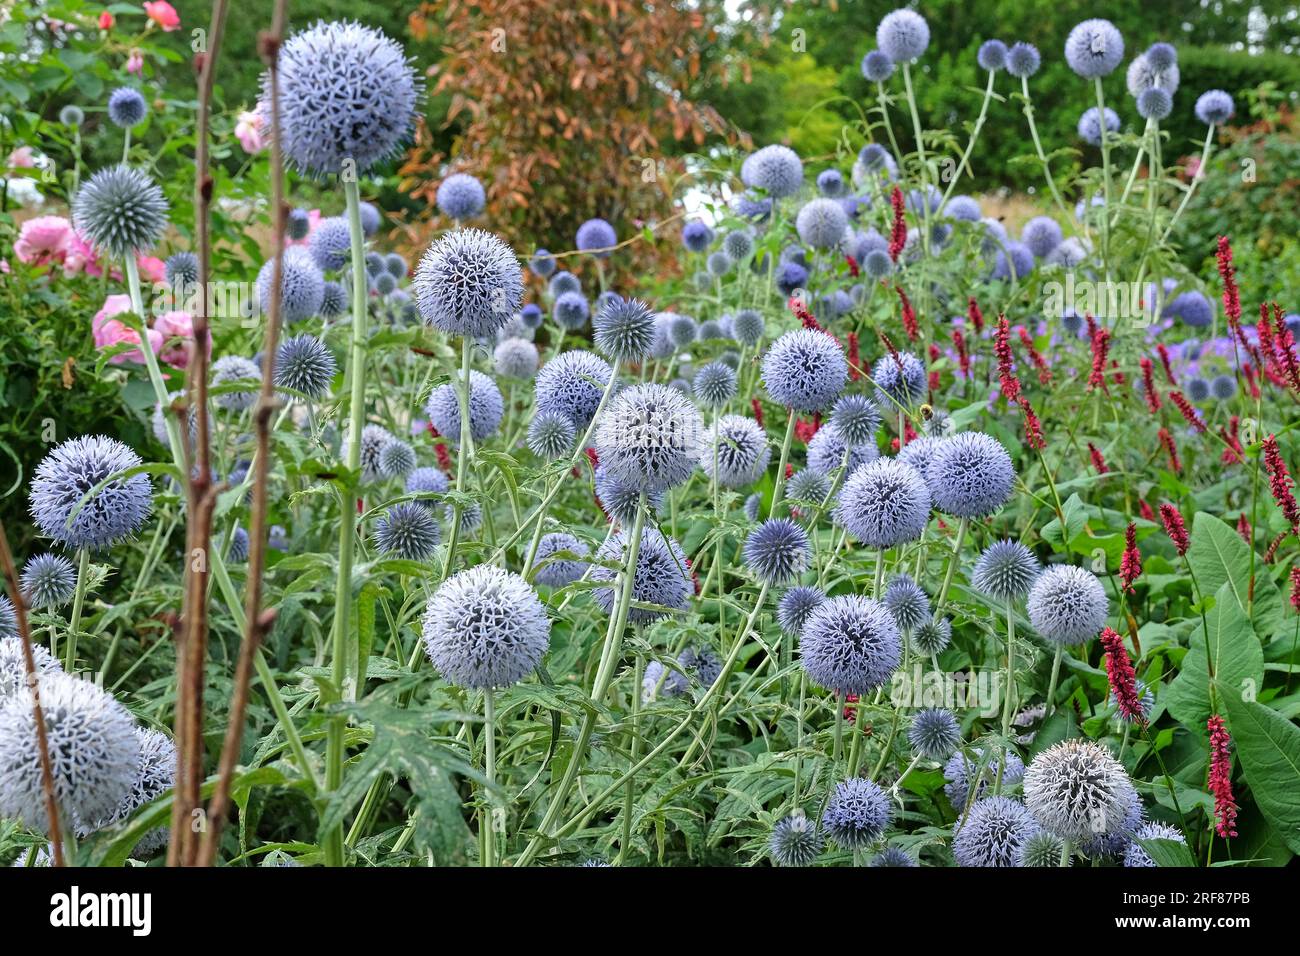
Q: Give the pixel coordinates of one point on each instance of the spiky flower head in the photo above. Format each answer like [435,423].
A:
[515,358]
[1041,235]
[1023,60]
[235,368]
[809,486]
[970,776]
[330,243]
[1041,849]
[1214,107]
[877,66]
[1005,571]
[237,550]
[334,297]
[624,331]
[468,283]
[72,115]
[662,681]
[821,223]
[898,381]
[992,833]
[305,364]
[696,236]
[850,643]
[970,475]
[903,35]
[572,384]
[347,97]
[661,575]
[1094,48]
[777,551]
[682,330]
[934,733]
[775,168]
[120,210]
[126,107]
[374,439]
[909,604]
[486,407]
[856,418]
[795,841]
[795,606]
[1154,104]
[396,459]
[933,636]
[542,264]
[1067,605]
[596,234]
[427,480]
[556,572]
[718,264]
[893,856]
[714,385]
[747,327]
[804,370]
[460,196]
[857,814]
[116,510]
[620,501]
[485,628]
[752,504]
[570,311]
[650,438]
[992,55]
[408,530]
[1078,790]
[13,665]
[738,244]
[298,223]
[155,775]
[551,435]
[742,454]
[1136,855]
[48,580]
[181,268]
[94,752]
[828,452]
[884,503]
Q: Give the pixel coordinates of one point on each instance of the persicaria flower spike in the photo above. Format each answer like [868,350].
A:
[1130,565]
[1280,481]
[1175,528]
[898,232]
[1225,804]
[1123,680]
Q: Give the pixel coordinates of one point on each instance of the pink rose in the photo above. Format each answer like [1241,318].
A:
[135,63]
[249,132]
[114,332]
[151,269]
[113,305]
[43,239]
[80,256]
[163,14]
[178,325]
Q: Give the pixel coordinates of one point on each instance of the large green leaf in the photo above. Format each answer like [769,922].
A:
[1234,652]
[1268,746]
[1219,556]
[1168,852]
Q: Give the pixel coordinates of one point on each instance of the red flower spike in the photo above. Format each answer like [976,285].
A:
[757,406]
[1186,410]
[855,359]
[1002,346]
[1295,588]
[1175,528]
[1167,440]
[1149,386]
[1225,804]
[1100,348]
[1033,428]
[975,315]
[1244,529]
[963,357]
[1040,363]
[853,266]
[1098,462]
[898,231]
[1280,481]
[1228,272]
[1123,680]
[1145,511]
[1164,361]
[1130,564]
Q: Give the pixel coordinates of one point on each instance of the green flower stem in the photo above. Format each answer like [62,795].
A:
[779,488]
[490,772]
[920,155]
[1008,696]
[1105,173]
[1191,187]
[462,457]
[882,100]
[855,749]
[151,366]
[1056,674]
[970,146]
[1038,148]
[629,793]
[953,561]
[78,600]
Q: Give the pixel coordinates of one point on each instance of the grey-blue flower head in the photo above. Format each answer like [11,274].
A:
[116,510]
[126,107]
[597,237]
[650,438]
[742,452]
[1094,48]
[408,530]
[775,168]
[460,196]
[624,331]
[468,283]
[486,408]
[795,841]
[1067,605]
[305,364]
[857,814]
[777,551]
[120,210]
[48,580]
[884,503]
[851,644]
[1005,571]
[301,282]
[970,475]
[661,575]
[556,572]
[805,370]
[992,833]
[903,35]
[572,384]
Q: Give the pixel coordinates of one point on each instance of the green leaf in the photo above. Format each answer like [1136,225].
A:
[1075,518]
[1219,556]
[1233,650]
[1167,852]
[1268,746]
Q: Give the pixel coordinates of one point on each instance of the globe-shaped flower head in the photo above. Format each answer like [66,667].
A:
[301,282]
[992,55]
[1041,849]
[117,508]
[126,107]
[1023,60]
[155,775]
[650,438]
[903,35]
[486,407]
[13,664]
[970,475]
[305,364]
[1005,570]
[805,370]
[1078,790]
[408,530]
[330,243]
[1094,48]
[899,381]
[620,501]
[747,327]
[933,636]
[884,503]
[661,575]
[72,116]
[877,66]
[624,331]
[334,298]
[714,384]
[347,97]
[1214,107]
[235,368]
[1154,104]
[120,210]
[934,733]
[830,182]
[1067,605]
[776,169]
[48,580]
[460,196]
[909,604]
[181,268]
[970,776]
[1089,128]
[596,234]
[515,358]
[1041,234]
[1136,855]
[468,283]
[850,643]
[572,384]
[795,606]
[551,434]
[742,452]
[821,223]
[795,841]
[856,418]
[857,814]
[992,833]
[696,236]
[570,311]
[777,551]
[556,572]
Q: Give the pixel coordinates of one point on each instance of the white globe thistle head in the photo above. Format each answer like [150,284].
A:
[742,453]
[808,486]
[932,637]
[620,501]
[1023,60]
[970,475]
[1148,71]
[1078,790]
[485,628]
[795,606]
[909,604]
[992,833]
[396,459]
[899,381]
[74,469]
[468,283]
[795,841]
[850,644]
[856,419]
[828,452]
[747,327]
[559,559]
[1136,855]
[776,169]
[877,66]
[94,752]
[884,503]
[805,370]
[714,385]
[409,531]
[1154,104]
[1094,48]
[903,35]
[486,408]
[13,665]
[1214,107]
[662,576]
[120,210]
[460,196]
[330,243]
[624,331]
[551,435]
[1005,571]
[969,776]
[571,384]
[348,98]
[777,551]
[857,814]
[155,775]
[72,115]
[48,580]
[515,358]
[230,369]
[935,733]
[821,223]
[304,364]
[650,438]
[1067,605]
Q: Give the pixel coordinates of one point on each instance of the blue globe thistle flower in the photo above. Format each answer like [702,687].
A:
[120,210]
[1041,235]
[903,35]
[934,733]
[13,665]
[72,116]
[738,245]
[1198,389]
[1193,308]
[751,207]
[712,329]
[909,604]
[743,452]
[395,265]
[1214,107]
[898,381]
[468,283]
[833,305]
[918,453]
[460,196]
[877,264]
[777,551]
[790,276]
[371,220]
[1154,104]
[696,236]
[1094,48]
[8,618]
[874,158]
[827,450]
[795,606]
[850,643]
[970,475]
[551,435]
[427,480]
[660,681]
[1073,251]
[624,330]
[486,408]
[556,572]
[809,486]
[69,472]
[531,315]
[971,776]
[277,538]
[515,358]
[542,264]
[485,628]
[572,384]
[619,500]
[830,182]
[237,551]
[1013,262]
[682,330]
[384,284]
[877,66]
[596,234]
[884,503]
[48,580]
[298,223]
[964,208]
[857,814]
[804,370]
[306,365]
[1005,571]
[1146,73]
[714,385]
[1089,127]
[347,96]
[776,169]
[374,439]
[408,530]
[1023,60]
[1041,849]
[1223,387]
[93,750]
[396,459]
[1078,790]
[992,55]
[1067,605]
[235,368]
[154,776]
[752,505]
[821,223]
[126,107]
[893,856]
[992,833]
[1135,855]
[181,268]
[570,311]
[932,637]
[562,282]
[747,327]
[302,286]
[856,420]
[1162,56]
[795,841]
[330,243]
[719,264]
[661,575]
[650,438]
[866,242]
[334,298]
